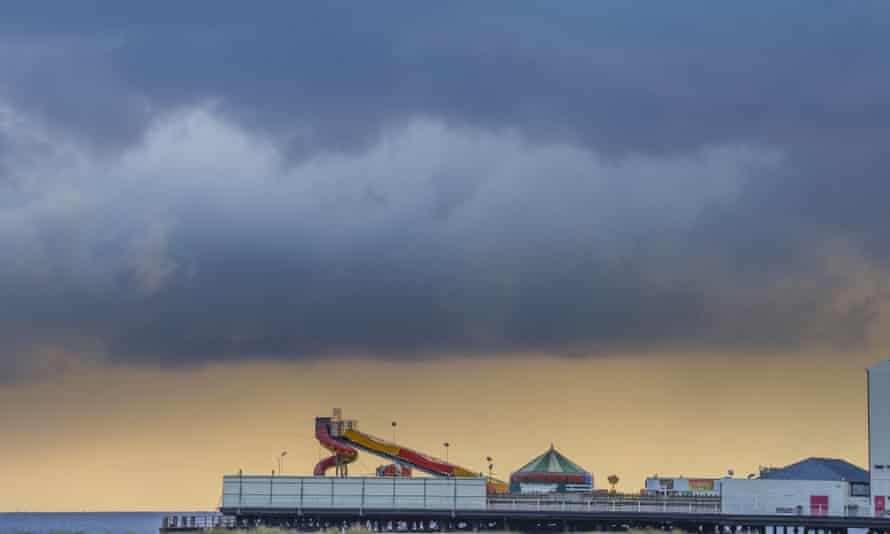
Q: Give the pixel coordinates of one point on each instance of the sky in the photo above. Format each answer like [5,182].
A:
[651,234]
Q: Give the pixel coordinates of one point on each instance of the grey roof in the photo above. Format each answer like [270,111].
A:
[817,469]
[882,363]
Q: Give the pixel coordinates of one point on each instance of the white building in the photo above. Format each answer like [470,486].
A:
[682,486]
[879,436]
[760,496]
[812,486]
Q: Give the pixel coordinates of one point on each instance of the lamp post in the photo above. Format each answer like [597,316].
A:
[281,462]
[394,425]
[446,445]
[490,466]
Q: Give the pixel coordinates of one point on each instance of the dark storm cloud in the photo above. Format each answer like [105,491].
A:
[212,183]
[618,75]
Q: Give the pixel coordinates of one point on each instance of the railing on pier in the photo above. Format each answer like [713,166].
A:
[363,493]
[188,522]
[629,504]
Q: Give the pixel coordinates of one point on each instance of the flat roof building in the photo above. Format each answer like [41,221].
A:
[683,486]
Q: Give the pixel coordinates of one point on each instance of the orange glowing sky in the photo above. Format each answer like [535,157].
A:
[135,439]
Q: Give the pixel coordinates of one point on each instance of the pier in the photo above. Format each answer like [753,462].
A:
[613,513]
[560,517]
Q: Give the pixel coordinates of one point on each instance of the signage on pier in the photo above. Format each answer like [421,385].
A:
[701,484]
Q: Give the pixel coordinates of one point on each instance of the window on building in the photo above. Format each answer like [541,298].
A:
[859,489]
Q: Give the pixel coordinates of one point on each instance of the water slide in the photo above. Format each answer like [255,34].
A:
[351,437]
[343,453]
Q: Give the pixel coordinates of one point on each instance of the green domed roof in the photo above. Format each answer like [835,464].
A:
[551,461]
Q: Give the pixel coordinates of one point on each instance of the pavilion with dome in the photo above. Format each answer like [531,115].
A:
[551,472]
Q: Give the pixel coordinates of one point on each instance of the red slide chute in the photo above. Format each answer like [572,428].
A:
[343,454]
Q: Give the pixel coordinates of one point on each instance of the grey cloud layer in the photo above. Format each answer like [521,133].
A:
[406,182]
[620,76]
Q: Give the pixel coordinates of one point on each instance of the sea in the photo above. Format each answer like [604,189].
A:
[86,522]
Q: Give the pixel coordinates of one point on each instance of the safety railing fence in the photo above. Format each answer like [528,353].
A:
[813,510]
[603,505]
[360,492]
[196,522]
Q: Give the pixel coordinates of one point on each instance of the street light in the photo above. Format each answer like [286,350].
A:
[490,466]
[394,425]
[446,445]
[281,462]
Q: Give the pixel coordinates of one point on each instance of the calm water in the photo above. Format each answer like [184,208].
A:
[85,522]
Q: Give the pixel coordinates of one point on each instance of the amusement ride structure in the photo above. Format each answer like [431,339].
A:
[343,438]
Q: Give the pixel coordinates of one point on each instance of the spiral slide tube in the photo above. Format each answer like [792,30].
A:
[343,453]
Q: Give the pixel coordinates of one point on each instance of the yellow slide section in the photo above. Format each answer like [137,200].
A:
[461,472]
[370,444]
[416,459]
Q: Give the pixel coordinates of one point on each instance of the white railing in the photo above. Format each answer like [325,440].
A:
[602,505]
[356,492]
[196,522]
